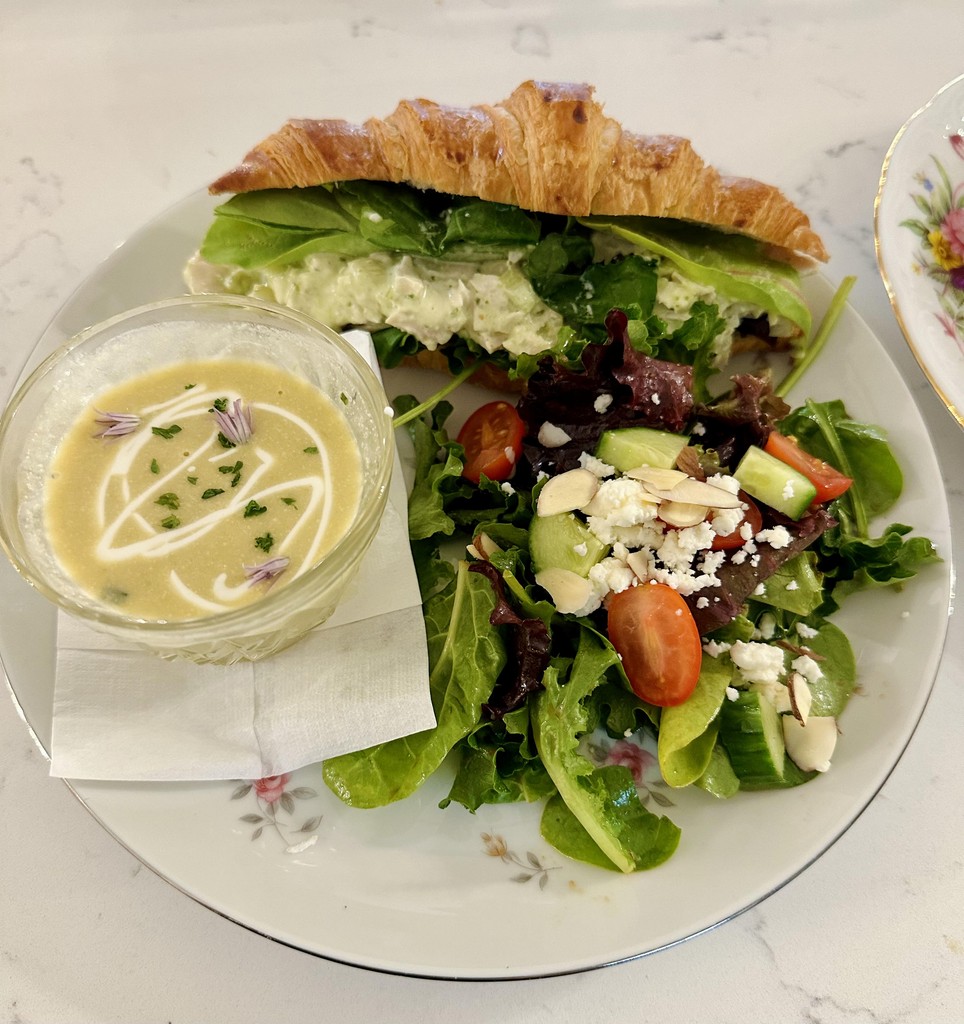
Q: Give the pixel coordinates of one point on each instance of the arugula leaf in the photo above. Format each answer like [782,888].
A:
[466,656]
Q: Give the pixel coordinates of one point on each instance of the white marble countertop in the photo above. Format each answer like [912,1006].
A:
[112,112]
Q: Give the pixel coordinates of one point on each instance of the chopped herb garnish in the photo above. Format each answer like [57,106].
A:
[344,398]
[169,500]
[192,480]
[265,542]
[187,387]
[155,468]
[288,501]
[310,450]
[220,405]
[115,595]
[254,509]
[225,443]
[235,470]
[166,432]
[171,523]
[212,492]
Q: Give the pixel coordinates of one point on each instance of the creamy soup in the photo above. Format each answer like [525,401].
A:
[197,488]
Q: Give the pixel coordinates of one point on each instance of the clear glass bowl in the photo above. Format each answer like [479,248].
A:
[145,339]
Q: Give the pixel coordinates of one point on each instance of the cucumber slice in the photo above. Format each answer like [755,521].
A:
[557,542]
[775,483]
[631,447]
[752,735]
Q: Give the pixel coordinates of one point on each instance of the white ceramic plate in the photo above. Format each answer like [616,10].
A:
[415,890]
[919,225]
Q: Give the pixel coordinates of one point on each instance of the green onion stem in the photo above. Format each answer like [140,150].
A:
[431,402]
[824,331]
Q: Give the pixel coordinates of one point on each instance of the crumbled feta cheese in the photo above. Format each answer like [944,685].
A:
[654,398]
[510,455]
[759,590]
[725,481]
[726,521]
[793,585]
[551,436]
[702,602]
[732,693]
[778,537]
[714,648]
[581,549]
[507,488]
[602,403]
[807,632]
[746,532]
[807,667]
[758,663]
[788,490]
[595,466]
[611,575]
[738,557]
[766,627]
[698,429]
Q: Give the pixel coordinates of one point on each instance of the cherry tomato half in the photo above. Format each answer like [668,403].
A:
[830,482]
[655,634]
[752,515]
[492,439]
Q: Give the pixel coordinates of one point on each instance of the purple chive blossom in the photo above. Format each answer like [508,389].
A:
[266,571]
[236,423]
[116,424]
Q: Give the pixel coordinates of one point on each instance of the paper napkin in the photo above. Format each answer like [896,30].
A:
[360,678]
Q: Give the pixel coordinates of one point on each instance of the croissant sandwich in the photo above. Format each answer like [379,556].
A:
[506,233]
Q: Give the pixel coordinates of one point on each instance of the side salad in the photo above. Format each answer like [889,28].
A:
[636,555]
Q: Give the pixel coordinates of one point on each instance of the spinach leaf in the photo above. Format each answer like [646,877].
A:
[466,655]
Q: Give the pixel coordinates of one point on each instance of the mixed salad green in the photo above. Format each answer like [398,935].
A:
[631,554]
[527,688]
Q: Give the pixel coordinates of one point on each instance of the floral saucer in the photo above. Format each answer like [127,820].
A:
[919,228]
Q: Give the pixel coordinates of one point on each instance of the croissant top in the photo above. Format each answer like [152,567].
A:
[548,148]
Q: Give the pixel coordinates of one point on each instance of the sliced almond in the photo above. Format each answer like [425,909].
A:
[569,591]
[810,746]
[662,479]
[801,699]
[485,546]
[696,492]
[567,492]
[682,514]
[640,563]
[599,506]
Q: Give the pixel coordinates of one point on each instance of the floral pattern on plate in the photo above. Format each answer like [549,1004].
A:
[940,229]
[919,231]
[276,807]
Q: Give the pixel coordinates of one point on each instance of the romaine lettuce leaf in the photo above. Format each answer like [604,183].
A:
[628,835]
[466,655]
[687,732]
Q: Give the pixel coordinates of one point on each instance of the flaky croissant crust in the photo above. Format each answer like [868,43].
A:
[549,148]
